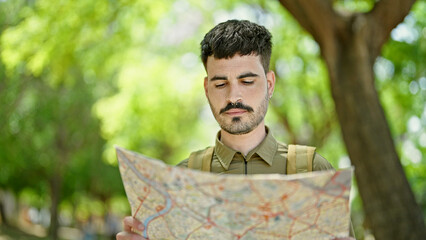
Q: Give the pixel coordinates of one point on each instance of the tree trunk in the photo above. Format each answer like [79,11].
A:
[56,178]
[3,214]
[55,191]
[389,203]
[350,45]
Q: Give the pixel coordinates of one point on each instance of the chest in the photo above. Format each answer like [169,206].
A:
[254,165]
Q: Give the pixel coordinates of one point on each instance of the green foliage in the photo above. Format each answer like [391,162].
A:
[78,77]
[153,112]
[401,81]
[49,133]
[354,6]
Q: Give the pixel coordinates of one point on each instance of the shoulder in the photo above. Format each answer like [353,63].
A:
[282,147]
[194,156]
[183,163]
[320,163]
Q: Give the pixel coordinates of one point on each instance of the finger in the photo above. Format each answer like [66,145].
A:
[129,236]
[131,223]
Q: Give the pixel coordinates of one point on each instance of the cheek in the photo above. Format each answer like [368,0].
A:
[253,94]
[255,98]
[212,95]
[215,97]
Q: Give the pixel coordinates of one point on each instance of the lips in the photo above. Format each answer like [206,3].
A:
[233,112]
[236,108]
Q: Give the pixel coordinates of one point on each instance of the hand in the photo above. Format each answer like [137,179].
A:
[130,227]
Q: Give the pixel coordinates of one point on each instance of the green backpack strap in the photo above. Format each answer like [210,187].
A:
[299,158]
[201,160]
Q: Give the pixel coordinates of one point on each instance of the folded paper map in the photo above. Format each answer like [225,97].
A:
[179,203]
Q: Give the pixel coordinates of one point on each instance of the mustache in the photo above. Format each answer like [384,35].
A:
[237,105]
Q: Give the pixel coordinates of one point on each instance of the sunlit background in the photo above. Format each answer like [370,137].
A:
[78,77]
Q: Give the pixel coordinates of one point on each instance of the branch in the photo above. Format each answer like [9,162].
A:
[387,14]
[316,16]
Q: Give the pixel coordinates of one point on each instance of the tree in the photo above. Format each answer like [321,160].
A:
[48,129]
[135,64]
[350,44]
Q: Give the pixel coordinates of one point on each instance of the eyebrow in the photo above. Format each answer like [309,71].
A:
[248,74]
[244,75]
[215,78]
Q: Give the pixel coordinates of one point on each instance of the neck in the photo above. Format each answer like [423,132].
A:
[244,143]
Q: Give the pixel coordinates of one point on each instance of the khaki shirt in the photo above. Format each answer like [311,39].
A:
[270,156]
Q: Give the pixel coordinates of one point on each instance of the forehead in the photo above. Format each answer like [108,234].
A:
[235,65]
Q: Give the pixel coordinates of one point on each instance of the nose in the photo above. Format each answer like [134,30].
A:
[234,94]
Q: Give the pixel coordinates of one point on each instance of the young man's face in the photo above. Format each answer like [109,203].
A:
[238,91]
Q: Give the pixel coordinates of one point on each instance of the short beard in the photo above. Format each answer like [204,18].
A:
[237,127]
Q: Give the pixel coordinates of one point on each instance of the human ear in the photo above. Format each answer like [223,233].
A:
[270,80]
[206,82]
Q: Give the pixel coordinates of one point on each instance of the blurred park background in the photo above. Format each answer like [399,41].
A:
[78,77]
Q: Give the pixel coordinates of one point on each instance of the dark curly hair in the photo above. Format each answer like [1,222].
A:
[237,37]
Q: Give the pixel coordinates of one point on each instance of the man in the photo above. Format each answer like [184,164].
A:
[238,86]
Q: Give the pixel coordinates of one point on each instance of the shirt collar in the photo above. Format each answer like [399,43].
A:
[266,150]
[224,153]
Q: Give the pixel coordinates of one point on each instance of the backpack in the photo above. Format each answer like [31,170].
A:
[299,159]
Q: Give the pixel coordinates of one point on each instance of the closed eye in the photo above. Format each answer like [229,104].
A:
[220,85]
[248,82]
